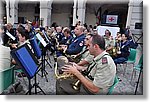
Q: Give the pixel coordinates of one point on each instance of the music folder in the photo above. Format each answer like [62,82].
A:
[39,37]
[35,47]
[25,58]
[10,35]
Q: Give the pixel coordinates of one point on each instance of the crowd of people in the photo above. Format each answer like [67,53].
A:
[97,55]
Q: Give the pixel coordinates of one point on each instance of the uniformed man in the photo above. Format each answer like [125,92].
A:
[100,74]
[66,40]
[109,42]
[124,52]
[86,58]
[77,43]
[59,34]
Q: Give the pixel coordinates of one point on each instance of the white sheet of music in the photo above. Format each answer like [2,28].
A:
[41,39]
[10,35]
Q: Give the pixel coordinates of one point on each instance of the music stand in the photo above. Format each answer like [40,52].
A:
[39,54]
[24,57]
[137,84]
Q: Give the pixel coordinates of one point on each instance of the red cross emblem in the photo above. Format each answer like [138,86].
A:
[111,19]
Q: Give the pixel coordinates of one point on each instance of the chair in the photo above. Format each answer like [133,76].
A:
[6,78]
[116,81]
[131,58]
[137,67]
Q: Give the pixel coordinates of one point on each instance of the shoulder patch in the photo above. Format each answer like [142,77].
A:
[81,43]
[104,60]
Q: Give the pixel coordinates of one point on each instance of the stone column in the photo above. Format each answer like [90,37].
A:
[12,11]
[134,13]
[75,12]
[45,12]
[129,16]
[81,10]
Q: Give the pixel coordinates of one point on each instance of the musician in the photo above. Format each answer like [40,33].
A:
[101,72]
[66,40]
[9,28]
[23,37]
[86,56]
[124,49]
[77,43]
[59,33]
[108,40]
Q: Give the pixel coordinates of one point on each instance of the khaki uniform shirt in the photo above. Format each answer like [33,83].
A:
[103,72]
[86,55]
[89,58]
[108,42]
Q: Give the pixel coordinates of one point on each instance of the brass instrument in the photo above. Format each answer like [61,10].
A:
[74,58]
[71,58]
[115,50]
[76,85]
[63,75]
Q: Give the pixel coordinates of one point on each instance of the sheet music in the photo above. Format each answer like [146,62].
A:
[10,35]
[41,39]
[45,35]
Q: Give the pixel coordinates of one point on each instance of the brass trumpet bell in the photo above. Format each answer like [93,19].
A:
[76,85]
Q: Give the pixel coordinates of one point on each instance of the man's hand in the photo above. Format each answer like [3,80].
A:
[71,69]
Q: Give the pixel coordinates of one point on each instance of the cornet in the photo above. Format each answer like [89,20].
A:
[76,85]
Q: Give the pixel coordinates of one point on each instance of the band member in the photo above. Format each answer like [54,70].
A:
[59,33]
[100,73]
[109,43]
[124,50]
[86,57]
[67,39]
[23,37]
[77,44]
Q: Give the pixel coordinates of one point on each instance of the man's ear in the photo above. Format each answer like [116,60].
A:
[96,46]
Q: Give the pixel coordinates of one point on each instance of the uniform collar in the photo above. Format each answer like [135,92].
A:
[100,55]
[80,35]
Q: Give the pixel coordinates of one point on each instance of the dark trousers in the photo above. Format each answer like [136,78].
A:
[64,87]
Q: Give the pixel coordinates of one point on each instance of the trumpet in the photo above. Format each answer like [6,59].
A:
[76,85]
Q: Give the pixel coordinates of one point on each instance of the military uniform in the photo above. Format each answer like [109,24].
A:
[59,36]
[66,40]
[76,46]
[89,58]
[124,48]
[101,71]
[108,42]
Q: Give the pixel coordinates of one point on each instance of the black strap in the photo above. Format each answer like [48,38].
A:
[86,72]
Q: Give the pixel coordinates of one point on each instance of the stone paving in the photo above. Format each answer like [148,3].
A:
[124,87]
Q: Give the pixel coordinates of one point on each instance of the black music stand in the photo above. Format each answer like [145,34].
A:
[40,54]
[137,83]
[24,57]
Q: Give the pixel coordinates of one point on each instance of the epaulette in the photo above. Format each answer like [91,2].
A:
[104,60]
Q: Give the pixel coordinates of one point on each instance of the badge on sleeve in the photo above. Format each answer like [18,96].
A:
[104,60]
[81,43]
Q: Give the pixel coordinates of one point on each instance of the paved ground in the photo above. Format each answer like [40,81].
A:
[124,87]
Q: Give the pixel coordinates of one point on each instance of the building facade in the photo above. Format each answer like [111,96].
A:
[68,12]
